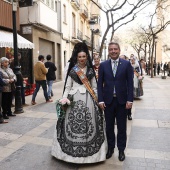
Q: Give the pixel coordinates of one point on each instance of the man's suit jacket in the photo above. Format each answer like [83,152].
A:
[123,82]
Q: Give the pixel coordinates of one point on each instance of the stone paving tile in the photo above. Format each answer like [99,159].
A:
[48,133]
[4,142]
[152,114]
[25,124]
[34,157]
[34,115]
[43,107]
[145,123]
[135,153]
[154,154]
[15,145]
[147,164]
[41,141]
[149,139]
[5,152]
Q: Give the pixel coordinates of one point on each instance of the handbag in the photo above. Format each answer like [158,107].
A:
[13,86]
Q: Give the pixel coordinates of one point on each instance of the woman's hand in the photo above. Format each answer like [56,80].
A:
[11,80]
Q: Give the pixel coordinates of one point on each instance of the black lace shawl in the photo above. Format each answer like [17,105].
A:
[89,74]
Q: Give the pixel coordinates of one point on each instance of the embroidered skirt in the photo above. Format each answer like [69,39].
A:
[80,137]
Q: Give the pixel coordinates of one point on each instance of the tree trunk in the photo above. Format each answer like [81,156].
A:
[103,39]
[153,43]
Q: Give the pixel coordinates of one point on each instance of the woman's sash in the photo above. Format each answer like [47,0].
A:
[85,82]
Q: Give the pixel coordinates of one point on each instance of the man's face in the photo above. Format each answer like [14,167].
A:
[114,51]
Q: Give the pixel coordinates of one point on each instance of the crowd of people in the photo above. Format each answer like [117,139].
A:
[44,76]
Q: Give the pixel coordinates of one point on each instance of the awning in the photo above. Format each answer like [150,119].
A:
[6,40]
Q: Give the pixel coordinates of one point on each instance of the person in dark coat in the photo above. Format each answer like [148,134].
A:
[2,83]
[50,75]
[158,68]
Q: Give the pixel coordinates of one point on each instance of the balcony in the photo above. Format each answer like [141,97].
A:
[75,4]
[87,40]
[6,15]
[84,11]
[77,36]
[39,15]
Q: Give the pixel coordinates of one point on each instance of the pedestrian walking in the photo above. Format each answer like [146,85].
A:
[80,135]
[50,76]
[40,72]
[115,95]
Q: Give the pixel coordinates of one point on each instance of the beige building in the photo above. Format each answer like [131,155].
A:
[163,41]
[55,26]
[76,15]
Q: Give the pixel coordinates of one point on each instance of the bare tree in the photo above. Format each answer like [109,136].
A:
[152,31]
[118,15]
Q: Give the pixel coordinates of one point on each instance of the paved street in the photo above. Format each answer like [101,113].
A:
[25,142]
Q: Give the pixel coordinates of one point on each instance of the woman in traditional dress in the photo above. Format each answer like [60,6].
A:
[138,89]
[80,136]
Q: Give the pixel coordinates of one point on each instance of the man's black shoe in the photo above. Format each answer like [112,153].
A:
[129,117]
[121,156]
[11,114]
[5,117]
[109,153]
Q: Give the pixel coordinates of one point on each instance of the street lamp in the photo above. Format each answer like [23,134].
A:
[93,31]
[18,103]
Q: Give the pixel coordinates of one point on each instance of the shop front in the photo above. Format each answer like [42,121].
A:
[24,48]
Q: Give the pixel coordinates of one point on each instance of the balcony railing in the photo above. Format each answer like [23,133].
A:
[84,11]
[79,35]
[74,33]
[75,4]
[87,40]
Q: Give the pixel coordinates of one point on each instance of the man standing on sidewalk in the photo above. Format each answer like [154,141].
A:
[50,75]
[40,79]
[115,95]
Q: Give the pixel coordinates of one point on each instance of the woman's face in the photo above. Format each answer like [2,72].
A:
[5,63]
[133,61]
[96,60]
[81,58]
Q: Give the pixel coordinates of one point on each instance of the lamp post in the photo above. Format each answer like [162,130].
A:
[93,31]
[18,103]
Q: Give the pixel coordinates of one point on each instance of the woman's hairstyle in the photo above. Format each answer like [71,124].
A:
[79,47]
[4,59]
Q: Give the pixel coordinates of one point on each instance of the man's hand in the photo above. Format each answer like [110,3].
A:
[102,105]
[129,105]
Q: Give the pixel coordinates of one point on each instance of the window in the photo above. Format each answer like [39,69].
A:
[73,25]
[64,15]
[56,6]
[48,2]
[52,4]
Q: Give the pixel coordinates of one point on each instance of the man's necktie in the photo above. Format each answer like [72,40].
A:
[114,67]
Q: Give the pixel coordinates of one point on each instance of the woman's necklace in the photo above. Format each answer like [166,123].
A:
[82,67]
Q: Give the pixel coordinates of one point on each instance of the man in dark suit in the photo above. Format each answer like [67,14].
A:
[115,95]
